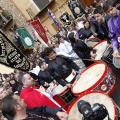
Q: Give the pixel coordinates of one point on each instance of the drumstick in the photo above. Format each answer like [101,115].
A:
[77,78]
[74,83]
[106,50]
[90,59]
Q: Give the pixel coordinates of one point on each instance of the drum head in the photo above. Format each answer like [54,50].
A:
[59,89]
[101,47]
[89,78]
[92,98]
[91,43]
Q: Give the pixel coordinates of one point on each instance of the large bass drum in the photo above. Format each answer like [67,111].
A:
[97,76]
[92,98]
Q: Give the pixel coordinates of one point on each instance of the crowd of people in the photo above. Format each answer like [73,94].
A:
[29,95]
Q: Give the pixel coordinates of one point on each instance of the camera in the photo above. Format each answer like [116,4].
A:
[97,112]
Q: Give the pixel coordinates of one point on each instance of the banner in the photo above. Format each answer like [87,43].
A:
[65,18]
[11,56]
[26,38]
[39,28]
[53,18]
[32,30]
[76,8]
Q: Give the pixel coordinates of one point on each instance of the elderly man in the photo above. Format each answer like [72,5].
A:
[14,106]
[34,96]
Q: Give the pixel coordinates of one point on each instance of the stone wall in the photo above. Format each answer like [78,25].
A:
[14,11]
[18,17]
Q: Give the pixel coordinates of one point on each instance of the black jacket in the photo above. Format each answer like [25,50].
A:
[81,49]
[43,112]
[104,28]
[44,76]
[60,68]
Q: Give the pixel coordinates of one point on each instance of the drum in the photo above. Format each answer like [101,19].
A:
[80,63]
[101,47]
[92,42]
[63,96]
[92,98]
[107,56]
[97,76]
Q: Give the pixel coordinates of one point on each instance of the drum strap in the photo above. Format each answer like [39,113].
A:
[71,76]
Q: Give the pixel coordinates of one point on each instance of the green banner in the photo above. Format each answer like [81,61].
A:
[26,38]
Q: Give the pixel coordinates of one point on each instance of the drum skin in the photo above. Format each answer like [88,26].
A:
[98,84]
[93,97]
[101,47]
[93,41]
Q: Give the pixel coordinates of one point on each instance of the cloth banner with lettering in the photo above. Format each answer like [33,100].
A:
[76,8]
[26,38]
[66,18]
[39,28]
[11,56]
[53,18]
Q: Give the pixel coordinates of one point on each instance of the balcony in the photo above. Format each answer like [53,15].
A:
[6,20]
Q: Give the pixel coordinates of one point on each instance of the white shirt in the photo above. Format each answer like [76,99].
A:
[80,24]
[66,47]
[58,52]
[35,70]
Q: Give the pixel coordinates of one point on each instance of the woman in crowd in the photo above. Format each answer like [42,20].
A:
[81,49]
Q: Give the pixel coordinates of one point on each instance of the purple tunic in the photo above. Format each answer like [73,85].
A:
[114,30]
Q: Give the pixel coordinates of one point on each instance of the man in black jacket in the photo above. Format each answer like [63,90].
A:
[44,76]
[60,67]
[103,19]
[14,107]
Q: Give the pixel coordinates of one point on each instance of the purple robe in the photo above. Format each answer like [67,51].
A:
[114,30]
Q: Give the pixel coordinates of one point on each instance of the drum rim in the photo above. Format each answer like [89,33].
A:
[99,43]
[90,92]
[63,92]
[98,82]
[94,38]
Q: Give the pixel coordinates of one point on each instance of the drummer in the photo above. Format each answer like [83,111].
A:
[113,25]
[82,50]
[44,76]
[61,68]
[102,18]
